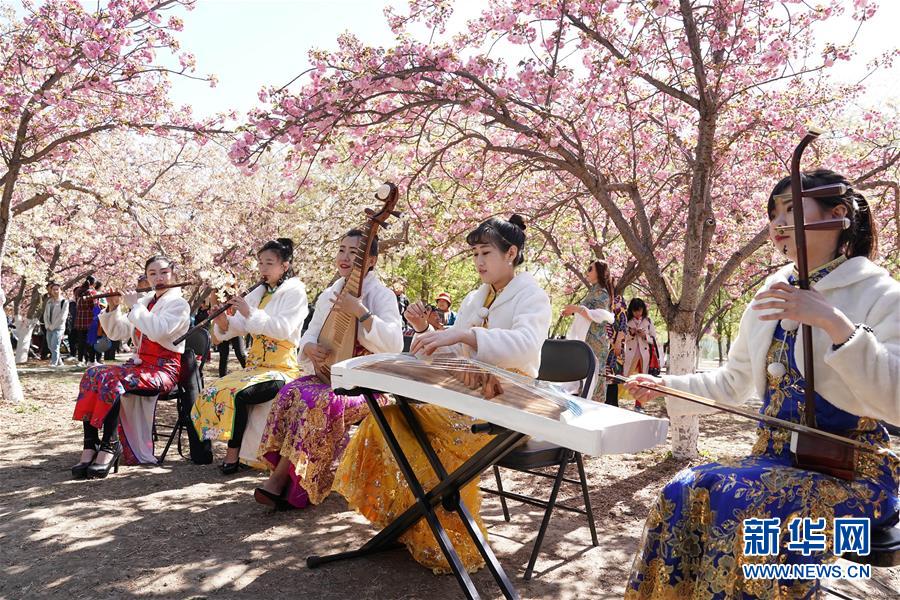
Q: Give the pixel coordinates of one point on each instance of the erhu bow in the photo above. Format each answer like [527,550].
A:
[339,331]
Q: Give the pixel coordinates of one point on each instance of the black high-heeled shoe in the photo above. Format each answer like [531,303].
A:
[267,498]
[230,468]
[95,471]
[79,471]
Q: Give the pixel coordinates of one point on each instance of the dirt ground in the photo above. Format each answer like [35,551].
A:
[184,531]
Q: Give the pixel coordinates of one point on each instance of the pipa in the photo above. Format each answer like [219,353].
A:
[339,330]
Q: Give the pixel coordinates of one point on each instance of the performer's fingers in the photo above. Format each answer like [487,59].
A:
[779,304]
[784,287]
[779,294]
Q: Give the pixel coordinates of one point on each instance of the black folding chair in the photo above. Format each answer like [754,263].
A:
[185,394]
[561,361]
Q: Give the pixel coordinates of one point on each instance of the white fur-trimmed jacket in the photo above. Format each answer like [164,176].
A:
[386,332]
[518,322]
[281,318]
[861,377]
[167,320]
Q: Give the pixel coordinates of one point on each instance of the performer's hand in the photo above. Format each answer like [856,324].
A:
[130,298]
[113,302]
[487,384]
[432,340]
[316,353]
[349,304]
[642,394]
[805,306]
[221,320]
[416,314]
[240,305]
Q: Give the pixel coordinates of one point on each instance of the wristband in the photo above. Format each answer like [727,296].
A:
[365,317]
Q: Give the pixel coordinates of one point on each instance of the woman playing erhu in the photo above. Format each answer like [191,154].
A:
[504,322]
[694,540]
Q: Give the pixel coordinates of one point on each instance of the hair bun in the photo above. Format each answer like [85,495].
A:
[518,221]
[287,243]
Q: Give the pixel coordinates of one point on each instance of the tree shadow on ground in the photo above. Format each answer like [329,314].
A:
[180,530]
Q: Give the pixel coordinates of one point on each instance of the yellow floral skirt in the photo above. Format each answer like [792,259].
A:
[268,360]
[369,478]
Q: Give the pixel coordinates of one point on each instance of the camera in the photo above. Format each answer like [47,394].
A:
[442,316]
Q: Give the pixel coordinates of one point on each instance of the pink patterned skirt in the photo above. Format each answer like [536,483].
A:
[308,425]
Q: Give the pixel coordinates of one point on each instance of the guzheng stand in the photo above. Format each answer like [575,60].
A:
[445,494]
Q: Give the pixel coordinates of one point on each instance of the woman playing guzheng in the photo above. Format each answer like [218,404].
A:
[273,315]
[504,322]
[308,425]
[153,323]
[694,540]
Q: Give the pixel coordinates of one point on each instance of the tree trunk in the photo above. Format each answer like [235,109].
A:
[24,329]
[683,360]
[9,378]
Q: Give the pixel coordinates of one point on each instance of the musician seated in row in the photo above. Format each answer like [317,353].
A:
[153,322]
[308,425]
[504,322]
[273,315]
[693,541]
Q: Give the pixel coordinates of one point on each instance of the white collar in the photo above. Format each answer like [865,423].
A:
[847,273]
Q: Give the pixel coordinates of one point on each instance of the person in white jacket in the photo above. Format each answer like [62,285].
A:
[308,426]
[693,539]
[154,321]
[589,323]
[504,322]
[56,310]
[234,408]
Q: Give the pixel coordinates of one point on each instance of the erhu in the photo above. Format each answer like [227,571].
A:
[814,452]
[338,334]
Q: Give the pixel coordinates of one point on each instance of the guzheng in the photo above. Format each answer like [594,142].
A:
[536,408]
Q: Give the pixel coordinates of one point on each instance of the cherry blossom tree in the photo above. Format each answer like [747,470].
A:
[67,75]
[672,118]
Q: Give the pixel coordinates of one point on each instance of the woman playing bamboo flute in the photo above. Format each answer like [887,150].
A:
[154,321]
[694,538]
[504,322]
[273,315]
